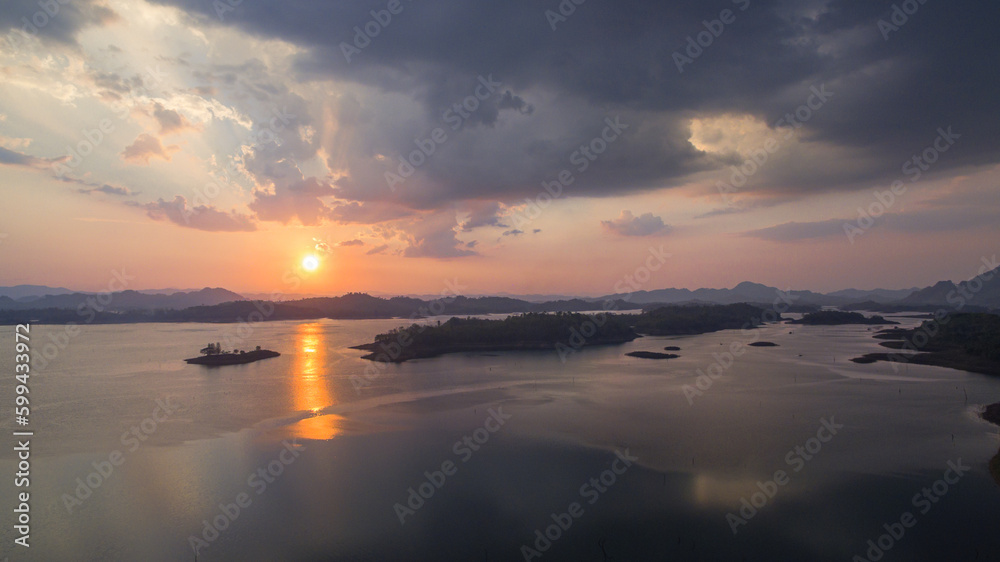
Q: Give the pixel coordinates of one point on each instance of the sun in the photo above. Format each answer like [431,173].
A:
[310,263]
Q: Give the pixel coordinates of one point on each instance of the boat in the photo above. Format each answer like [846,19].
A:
[213,356]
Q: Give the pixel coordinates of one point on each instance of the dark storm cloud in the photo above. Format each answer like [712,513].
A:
[939,69]
[57,21]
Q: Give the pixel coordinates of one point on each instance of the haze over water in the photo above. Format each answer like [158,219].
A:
[358,451]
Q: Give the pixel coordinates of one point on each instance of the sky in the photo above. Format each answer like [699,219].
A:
[504,147]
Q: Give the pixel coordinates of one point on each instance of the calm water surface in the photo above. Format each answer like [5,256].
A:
[342,456]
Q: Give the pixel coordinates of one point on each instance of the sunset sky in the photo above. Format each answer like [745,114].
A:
[195,143]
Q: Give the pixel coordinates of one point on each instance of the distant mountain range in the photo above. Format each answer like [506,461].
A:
[18,292]
[975,292]
[757,293]
[57,305]
[27,298]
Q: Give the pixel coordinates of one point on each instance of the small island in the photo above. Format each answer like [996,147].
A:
[652,355]
[214,356]
[837,318]
[965,341]
[866,359]
[762,344]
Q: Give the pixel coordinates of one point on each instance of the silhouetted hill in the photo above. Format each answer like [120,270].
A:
[979,292]
[872,306]
[743,292]
[204,305]
[363,305]
[875,295]
[935,294]
[18,292]
[125,300]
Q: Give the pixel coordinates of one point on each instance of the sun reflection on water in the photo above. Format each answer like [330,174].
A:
[310,389]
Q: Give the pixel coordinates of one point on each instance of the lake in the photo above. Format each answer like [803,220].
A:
[501,456]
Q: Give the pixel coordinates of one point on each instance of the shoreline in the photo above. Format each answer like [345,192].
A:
[414,352]
[962,342]
[947,359]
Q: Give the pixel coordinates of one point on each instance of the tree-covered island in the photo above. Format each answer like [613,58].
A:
[564,332]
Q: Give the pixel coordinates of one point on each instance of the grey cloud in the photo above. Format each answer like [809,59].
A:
[628,224]
[14,158]
[146,147]
[300,199]
[170,121]
[377,250]
[517,103]
[798,231]
[202,217]
[484,214]
[432,236]
[21,17]
[108,189]
[617,59]
[923,221]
